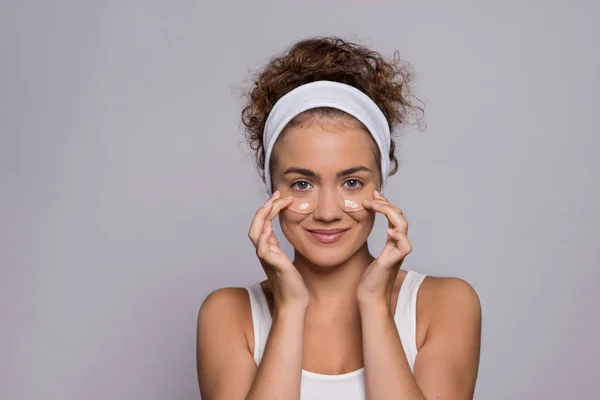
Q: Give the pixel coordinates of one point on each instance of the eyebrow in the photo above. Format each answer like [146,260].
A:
[301,171]
[312,174]
[353,170]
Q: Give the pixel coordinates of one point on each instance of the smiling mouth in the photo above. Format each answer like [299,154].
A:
[327,235]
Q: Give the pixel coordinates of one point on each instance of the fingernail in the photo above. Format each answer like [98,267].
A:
[267,228]
[276,194]
[391,231]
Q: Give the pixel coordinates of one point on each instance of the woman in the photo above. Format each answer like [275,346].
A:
[337,322]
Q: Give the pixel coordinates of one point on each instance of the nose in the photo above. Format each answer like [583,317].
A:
[328,207]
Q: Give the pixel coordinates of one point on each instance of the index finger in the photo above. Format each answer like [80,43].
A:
[393,214]
[258,222]
[279,205]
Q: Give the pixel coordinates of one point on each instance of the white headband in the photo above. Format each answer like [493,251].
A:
[333,95]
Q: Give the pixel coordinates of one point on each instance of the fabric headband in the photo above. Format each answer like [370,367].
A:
[333,95]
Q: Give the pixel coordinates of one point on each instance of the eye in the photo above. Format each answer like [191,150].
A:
[301,185]
[353,184]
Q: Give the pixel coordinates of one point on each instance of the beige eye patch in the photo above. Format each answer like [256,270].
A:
[304,201]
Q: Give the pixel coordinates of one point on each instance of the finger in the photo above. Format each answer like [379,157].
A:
[273,240]
[379,196]
[401,239]
[275,249]
[257,225]
[377,202]
[381,202]
[266,252]
[387,209]
[258,222]
[278,205]
[262,244]
[393,214]
[396,234]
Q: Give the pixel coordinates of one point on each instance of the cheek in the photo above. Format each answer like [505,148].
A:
[290,222]
[363,217]
[288,218]
[364,222]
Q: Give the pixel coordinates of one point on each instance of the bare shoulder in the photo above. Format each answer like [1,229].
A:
[450,339]
[232,300]
[225,306]
[222,352]
[226,311]
[449,297]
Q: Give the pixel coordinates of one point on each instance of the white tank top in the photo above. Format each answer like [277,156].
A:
[349,386]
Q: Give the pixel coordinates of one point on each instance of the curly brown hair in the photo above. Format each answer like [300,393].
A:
[331,58]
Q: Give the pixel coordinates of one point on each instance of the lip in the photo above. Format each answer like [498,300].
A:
[327,235]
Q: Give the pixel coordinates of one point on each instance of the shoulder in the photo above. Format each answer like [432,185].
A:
[224,299]
[225,309]
[449,298]
[222,353]
[448,353]
[455,291]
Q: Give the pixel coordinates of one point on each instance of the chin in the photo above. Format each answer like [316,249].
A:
[327,258]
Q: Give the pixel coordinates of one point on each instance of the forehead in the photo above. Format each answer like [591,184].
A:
[324,145]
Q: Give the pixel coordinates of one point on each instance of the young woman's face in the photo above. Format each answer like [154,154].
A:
[332,164]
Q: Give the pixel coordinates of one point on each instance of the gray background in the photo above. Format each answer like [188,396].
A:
[126,189]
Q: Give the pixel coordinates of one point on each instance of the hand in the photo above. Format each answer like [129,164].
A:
[378,279]
[285,281]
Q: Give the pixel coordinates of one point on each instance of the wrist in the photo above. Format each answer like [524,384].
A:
[375,305]
[290,311]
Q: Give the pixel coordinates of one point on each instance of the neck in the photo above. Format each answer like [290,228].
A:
[334,284]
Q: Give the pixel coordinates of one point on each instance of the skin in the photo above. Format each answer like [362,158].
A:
[333,306]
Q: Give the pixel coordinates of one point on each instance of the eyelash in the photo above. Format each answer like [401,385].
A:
[294,185]
[358,182]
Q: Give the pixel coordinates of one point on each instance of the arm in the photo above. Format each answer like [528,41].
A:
[226,368]
[446,365]
[280,371]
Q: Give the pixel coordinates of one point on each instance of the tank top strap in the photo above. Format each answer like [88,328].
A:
[405,315]
[261,319]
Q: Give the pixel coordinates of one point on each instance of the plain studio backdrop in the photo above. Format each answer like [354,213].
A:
[127,190]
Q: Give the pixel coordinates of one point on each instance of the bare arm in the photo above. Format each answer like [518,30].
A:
[279,374]
[226,367]
[447,363]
